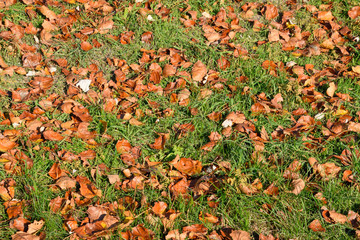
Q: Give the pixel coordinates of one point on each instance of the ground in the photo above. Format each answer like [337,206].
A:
[179,119]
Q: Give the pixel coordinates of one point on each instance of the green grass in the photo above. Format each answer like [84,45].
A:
[289,215]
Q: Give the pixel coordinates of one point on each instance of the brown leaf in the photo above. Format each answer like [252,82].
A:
[113,178]
[169,70]
[196,228]
[6,144]
[147,37]
[56,204]
[7,3]
[140,232]
[223,63]
[87,188]
[324,15]
[187,166]
[13,208]
[316,226]
[240,235]
[212,36]
[31,59]
[86,46]
[52,136]
[43,83]
[47,12]
[277,100]
[159,142]
[3,63]
[7,190]
[55,171]
[331,89]
[198,71]
[20,224]
[159,208]
[35,226]
[65,183]
[336,217]
[271,12]
[298,185]
[272,190]
[354,127]
[123,146]
[105,26]
[274,35]
[354,12]
[215,116]
[23,235]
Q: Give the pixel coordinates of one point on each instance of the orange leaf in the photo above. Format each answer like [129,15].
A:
[86,46]
[55,171]
[159,142]
[147,37]
[52,136]
[223,63]
[7,190]
[188,166]
[159,208]
[215,116]
[354,12]
[271,12]
[198,71]
[316,226]
[47,12]
[324,15]
[123,146]
[6,144]
[169,70]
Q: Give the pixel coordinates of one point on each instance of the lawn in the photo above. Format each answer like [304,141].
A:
[180,120]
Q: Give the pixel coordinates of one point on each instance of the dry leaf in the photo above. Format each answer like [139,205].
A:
[240,235]
[298,185]
[271,12]
[86,46]
[47,13]
[198,71]
[331,90]
[316,226]
[354,12]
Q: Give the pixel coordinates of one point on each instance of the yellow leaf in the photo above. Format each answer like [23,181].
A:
[340,112]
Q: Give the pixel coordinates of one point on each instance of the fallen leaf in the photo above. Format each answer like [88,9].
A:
[35,226]
[188,166]
[113,178]
[159,208]
[65,183]
[47,13]
[354,12]
[354,127]
[6,144]
[324,15]
[84,84]
[316,226]
[86,46]
[331,90]
[198,71]
[147,37]
[298,185]
[240,235]
[52,136]
[271,12]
